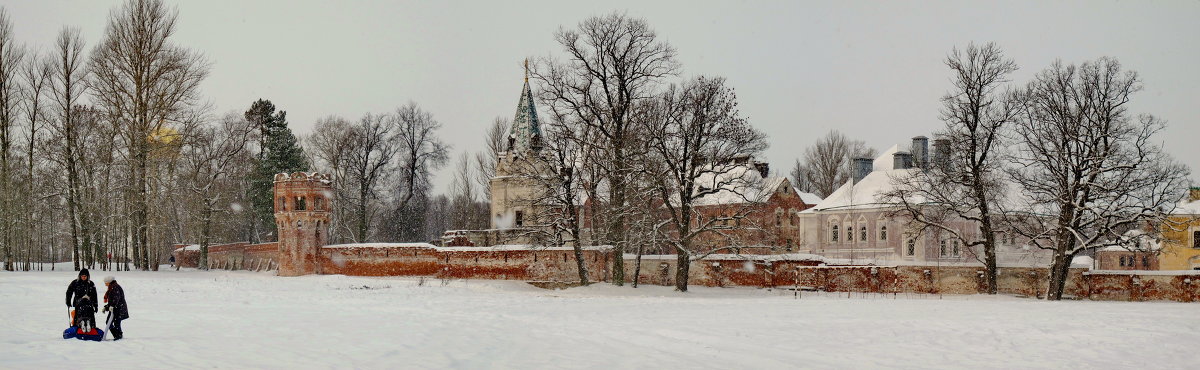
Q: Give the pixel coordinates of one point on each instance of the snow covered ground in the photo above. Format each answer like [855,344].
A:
[194,319]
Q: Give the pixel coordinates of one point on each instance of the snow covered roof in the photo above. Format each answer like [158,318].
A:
[738,184]
[808,198]
[1136,241]
[1187,206]
[866,193]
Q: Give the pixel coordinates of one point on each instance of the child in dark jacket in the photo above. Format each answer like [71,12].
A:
[114,300]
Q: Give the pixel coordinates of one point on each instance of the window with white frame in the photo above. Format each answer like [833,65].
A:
[910,247]
[883,233]
[834,233]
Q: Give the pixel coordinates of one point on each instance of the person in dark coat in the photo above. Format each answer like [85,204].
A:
[82,289]
[114,300]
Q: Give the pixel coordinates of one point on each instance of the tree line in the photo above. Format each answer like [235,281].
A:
[109,155]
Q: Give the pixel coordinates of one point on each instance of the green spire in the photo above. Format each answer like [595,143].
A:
[525,133]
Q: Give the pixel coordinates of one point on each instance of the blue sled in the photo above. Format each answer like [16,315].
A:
[73,332]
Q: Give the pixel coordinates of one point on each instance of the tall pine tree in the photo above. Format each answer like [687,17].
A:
[279,152]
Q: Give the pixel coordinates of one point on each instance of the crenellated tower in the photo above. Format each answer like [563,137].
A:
[302,203]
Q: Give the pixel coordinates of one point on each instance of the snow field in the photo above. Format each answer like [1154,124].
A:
[221,319]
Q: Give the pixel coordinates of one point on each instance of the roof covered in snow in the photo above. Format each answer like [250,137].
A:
[808,198]
[867,192]
[1187,206]
[737,184]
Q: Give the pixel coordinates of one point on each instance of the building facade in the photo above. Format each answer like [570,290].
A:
[1181,235]
[857,224]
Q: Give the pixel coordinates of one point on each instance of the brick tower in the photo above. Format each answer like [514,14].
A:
[302,202]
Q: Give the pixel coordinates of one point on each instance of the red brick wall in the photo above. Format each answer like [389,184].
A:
[540,265]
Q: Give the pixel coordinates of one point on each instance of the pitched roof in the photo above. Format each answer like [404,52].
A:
[808,198]
[526,132]
[739,184]
[866,192]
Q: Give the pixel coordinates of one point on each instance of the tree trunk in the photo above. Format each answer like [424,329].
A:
[617,231]
[580,263]
[683,262]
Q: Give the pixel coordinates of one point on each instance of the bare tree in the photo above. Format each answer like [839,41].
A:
[966,187]
[210,158]
[486,160]
[553,174]
[11,93]
[613,62]
[332,141]
[67,87]
[369,161]
[144,82]
[36,76]
[698,135]
[419,151]
[827,163]
[1091,169]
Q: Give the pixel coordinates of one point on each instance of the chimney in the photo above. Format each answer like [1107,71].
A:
[862,168]
[902,161]
[920,151]
[763,168]
[941,153]
[1194,194]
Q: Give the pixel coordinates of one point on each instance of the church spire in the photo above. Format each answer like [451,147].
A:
[525,134]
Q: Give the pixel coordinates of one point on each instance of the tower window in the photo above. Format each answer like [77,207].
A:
[300,204]
[520,219]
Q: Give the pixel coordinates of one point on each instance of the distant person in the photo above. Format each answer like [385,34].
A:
[81,294]
[114,300]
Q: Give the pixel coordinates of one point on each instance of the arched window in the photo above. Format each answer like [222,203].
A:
[778,216]
[955,250]
[883,233]
[301,204]
[910,247]
[862,233]
[834,233]
[1196,239]
[942,249]
[282,203]
[849,233]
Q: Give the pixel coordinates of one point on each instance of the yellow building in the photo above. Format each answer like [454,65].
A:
[1181,235]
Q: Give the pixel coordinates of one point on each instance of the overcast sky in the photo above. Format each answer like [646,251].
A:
[871,70]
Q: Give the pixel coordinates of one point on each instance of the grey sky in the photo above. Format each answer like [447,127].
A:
[869,69]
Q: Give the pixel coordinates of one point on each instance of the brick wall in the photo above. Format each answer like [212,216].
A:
[774,271]
[232,256]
